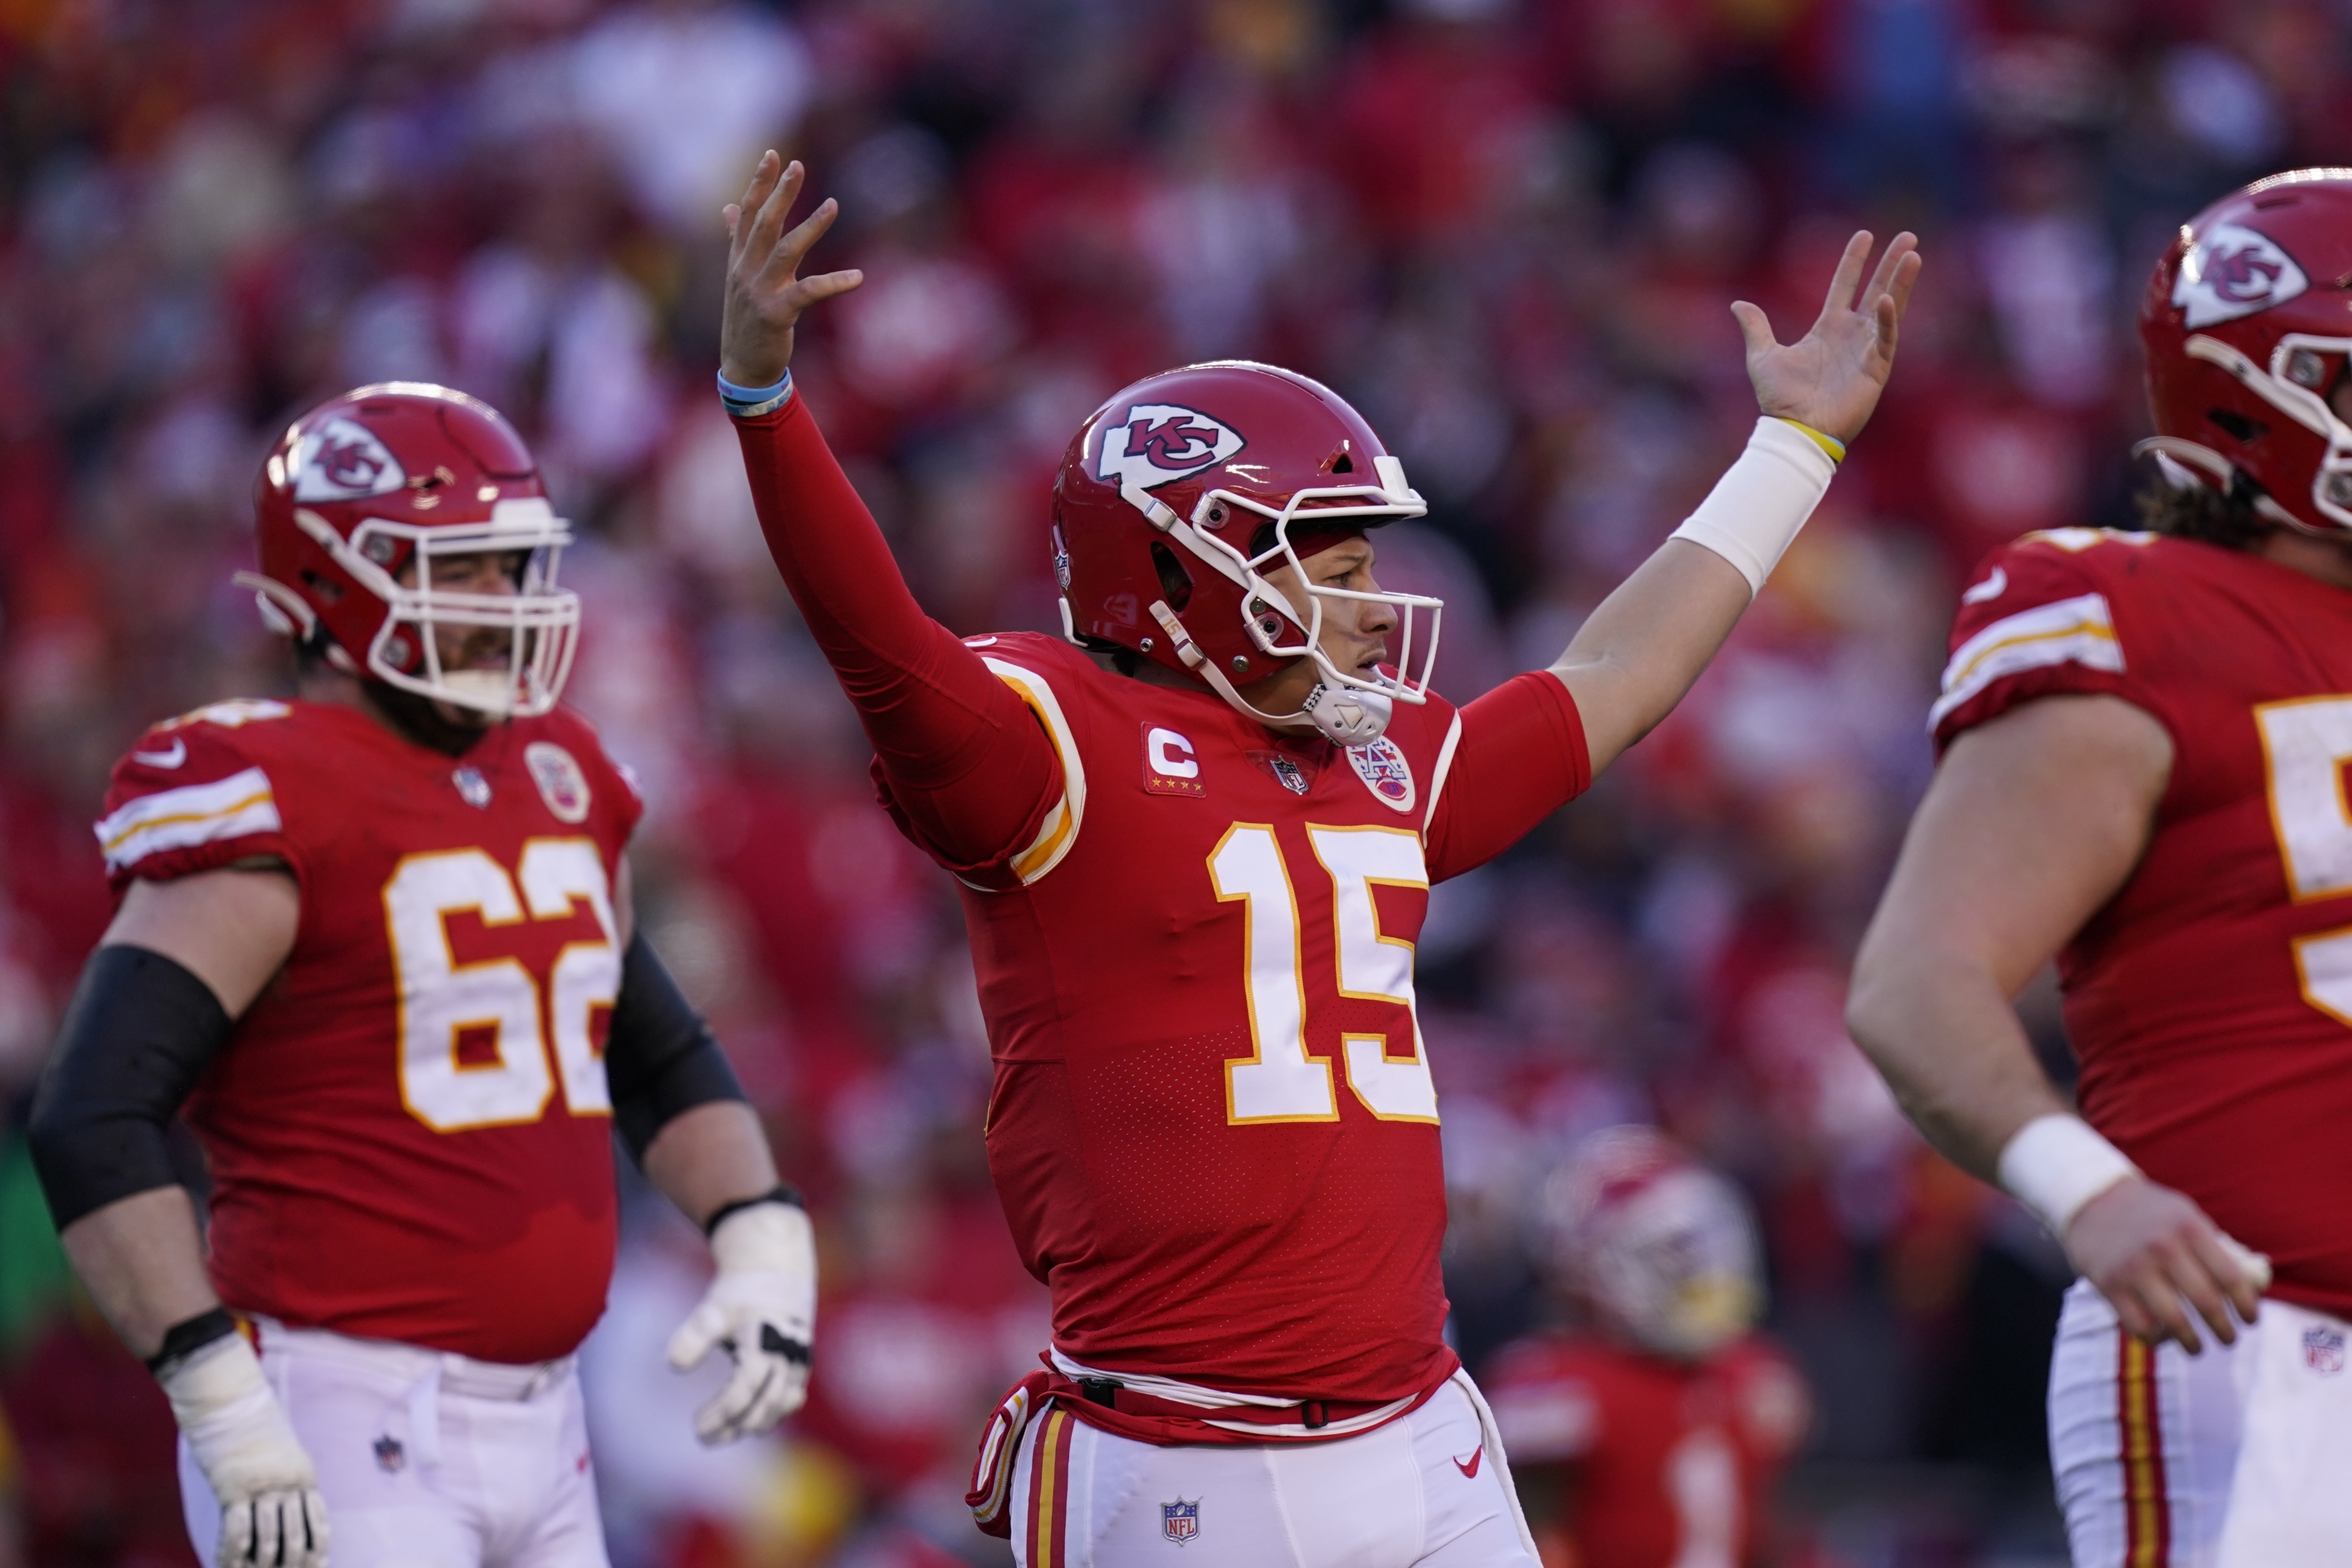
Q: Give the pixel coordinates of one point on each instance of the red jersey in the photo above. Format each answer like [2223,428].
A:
[409,1131]
[2210,1001]
[1667,1462]
[1213,1124]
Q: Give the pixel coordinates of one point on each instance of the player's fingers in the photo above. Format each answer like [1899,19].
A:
[2163,1304]
[1882,276]
[756,190]
[1906,276]
[236,1535]
[269,1529]
[314,1520]
[2240,1272]
[777,1396]
[823,286]
[1848,274]
[696,1335]
[768,219]
[806,233]
[1755,329]
[722,1420]
[2195,1276]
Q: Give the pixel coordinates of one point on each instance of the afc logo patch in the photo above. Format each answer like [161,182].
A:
[2234,271]
[1171,765]
[560,783]
[1385,772]
[2323,1349]
[1179,1521]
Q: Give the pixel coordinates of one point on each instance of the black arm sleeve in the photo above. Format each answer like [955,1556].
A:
[660,1058]
[135,1040]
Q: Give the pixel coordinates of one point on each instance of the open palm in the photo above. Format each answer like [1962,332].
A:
[1830,377]
[765,293]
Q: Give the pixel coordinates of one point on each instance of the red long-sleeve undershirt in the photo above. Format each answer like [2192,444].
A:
[964,760]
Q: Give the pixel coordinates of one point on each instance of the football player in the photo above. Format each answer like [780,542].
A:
[1655,1438]
[1195,837]
[2143,739]
[378,941]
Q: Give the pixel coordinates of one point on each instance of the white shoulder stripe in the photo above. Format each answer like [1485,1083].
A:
[192,814]
[1445,767]
[2076,630]
[1060,829]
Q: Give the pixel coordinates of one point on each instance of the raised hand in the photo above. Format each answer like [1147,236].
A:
[1830,377]
[765,293]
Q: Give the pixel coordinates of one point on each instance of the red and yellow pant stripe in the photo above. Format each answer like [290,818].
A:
[1046,1526]
[2148,1521]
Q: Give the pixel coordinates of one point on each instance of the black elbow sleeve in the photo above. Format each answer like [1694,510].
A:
[138,1034]
[660,1058]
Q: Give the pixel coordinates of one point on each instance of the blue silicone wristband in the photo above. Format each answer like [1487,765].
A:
[750,402]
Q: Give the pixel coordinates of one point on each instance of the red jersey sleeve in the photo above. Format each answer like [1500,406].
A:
[1516,756]
[2041,619]
[966,770]
[190,797]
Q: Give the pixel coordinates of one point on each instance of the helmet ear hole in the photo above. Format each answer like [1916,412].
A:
[1175,583]
[2238,426]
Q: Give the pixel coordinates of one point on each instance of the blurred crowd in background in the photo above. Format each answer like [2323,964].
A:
[1506,229]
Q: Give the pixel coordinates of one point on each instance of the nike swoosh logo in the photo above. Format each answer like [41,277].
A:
[1478,1455]
[1991,588]
[172,759]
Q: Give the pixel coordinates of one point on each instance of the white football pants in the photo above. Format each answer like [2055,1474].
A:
[2239,1458]
[427,1460]
[1428,1488]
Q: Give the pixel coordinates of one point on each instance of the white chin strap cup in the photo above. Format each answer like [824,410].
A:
[1348,717]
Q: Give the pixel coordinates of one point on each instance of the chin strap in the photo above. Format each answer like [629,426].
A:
[1347,717]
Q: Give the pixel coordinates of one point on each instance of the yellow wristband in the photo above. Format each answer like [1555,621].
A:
[1829,444]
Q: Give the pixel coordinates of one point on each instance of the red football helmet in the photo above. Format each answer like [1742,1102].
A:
[2247,326]
[1662,1248]
[378,484]
[1182,489]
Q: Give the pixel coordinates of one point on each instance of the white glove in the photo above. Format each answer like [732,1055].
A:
[271,1513]
[762,1309]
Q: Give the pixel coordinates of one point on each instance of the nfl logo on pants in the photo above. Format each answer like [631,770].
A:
[1180,1520]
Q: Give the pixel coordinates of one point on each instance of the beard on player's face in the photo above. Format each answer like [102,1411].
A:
[492,573]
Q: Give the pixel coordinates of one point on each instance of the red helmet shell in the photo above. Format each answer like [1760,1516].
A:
[2247,327]
[1253,432]
[363,486]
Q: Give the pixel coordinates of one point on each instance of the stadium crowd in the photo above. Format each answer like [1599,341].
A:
[1508,230]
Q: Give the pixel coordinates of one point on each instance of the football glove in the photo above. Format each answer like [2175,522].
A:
[761,1307]
[271,1513]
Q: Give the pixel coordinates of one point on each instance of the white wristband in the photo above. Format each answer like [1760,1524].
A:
[2056,1164]
[1756,508]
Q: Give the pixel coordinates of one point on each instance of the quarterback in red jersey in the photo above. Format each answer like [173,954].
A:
[378,941]
[2145,736]
[1653,1439]
[1195,836]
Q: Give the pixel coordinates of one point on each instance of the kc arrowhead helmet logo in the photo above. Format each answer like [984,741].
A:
[2234,271]
[1160,443]
[342,460]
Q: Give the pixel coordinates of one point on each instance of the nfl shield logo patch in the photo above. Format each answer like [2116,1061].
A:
[1180,1520]
[2323,1349]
